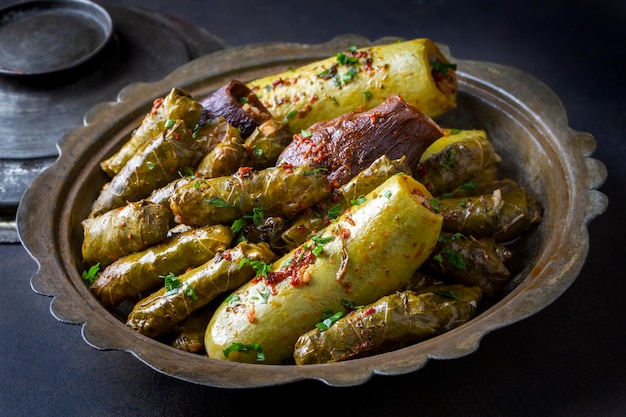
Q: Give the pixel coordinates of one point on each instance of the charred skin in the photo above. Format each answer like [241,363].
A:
[350,143]
[238,105]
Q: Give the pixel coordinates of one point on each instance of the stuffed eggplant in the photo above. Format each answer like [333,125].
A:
[279,191]
[119,232]
[369,251]
[178,104]
[236,103]
[155,164]
[358,80]
[160,312]
[391,322]
[139,272]
[346,145]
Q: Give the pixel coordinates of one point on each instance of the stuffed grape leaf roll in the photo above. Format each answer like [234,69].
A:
[162,311]
[140,272]
[392,322]
[118,232]
[177,104]
[158,162]
[278,191]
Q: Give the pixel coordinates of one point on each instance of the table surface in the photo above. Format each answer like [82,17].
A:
[567,360]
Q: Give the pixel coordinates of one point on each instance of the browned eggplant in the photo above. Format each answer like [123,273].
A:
[348,144]
[238,105]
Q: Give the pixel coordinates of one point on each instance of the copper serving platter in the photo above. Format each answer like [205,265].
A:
[525,120]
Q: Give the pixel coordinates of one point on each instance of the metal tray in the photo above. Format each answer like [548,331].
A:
[523,117]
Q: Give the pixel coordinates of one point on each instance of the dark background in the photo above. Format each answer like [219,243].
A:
[567,360]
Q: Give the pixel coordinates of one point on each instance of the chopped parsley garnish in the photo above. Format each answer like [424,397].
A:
[451,160]
[453,258]
[314,171]
[328,319]
[257,216]
[328,73]
[261,267]
[186,172]
[189,292]
[359,200]
[217,202]
[91,274]
[265,294]
[169,123]
[334,211]
[367,94]
[238,225]
[344,59]
[443,67]
[246,348]
[470,185]
[435,204]
[232,298]
[150,165]
[172,283]
[320,242]
[447,294]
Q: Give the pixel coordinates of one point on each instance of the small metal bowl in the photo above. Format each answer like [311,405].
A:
[43,37]
[525,120]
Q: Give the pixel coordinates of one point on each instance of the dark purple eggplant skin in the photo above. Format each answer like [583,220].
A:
[346,145]
[238,105]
